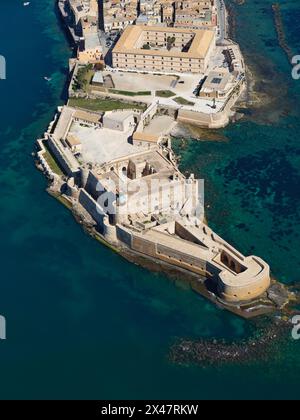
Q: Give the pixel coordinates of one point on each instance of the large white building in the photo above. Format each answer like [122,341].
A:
[118,120]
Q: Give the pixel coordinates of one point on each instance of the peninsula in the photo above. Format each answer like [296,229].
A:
[140,66]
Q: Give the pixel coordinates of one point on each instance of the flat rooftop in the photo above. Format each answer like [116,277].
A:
[216,80]
[199,48]
[98,77]
[92,41]
[119,116]
[92,117]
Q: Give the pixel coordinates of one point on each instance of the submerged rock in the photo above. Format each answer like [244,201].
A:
[278,294]
[261,346]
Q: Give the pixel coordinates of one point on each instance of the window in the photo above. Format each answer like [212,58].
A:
[216,80]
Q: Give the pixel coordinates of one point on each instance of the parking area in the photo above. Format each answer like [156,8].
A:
[160,125]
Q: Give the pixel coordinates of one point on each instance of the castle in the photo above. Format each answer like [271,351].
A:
[140,201]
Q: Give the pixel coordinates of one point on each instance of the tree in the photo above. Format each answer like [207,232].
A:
[81,80]
[170,42]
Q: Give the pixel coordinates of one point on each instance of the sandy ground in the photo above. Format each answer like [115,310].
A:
[102,145]
[160,125]
[141,82]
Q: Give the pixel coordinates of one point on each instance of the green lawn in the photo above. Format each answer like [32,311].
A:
[164,93]
[89,76]
[54,166]
[84,78]
[128,93]
[182,101]
[103,104]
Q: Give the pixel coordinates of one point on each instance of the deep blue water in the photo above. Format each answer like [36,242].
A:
[81,321]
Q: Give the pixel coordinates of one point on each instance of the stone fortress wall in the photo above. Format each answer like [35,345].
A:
[193,248]
[232,286]
[178,238]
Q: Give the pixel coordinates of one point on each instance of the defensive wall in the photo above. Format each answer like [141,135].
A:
[238,278]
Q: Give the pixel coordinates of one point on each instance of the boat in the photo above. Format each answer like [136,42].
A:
[26,3]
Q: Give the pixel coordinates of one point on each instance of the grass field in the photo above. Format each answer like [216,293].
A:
[182,101]
[103,104]
[128,93]
[54,166]
[165,94]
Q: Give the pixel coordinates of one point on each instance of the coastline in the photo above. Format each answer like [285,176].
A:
[185,111]
[249,309]
[283,299]
[261,102]
[79,316]
[261,346]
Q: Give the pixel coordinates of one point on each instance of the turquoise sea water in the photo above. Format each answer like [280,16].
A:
[81,321]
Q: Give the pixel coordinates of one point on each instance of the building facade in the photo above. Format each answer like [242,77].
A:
[164,49]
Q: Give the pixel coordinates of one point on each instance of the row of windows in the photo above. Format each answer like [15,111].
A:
[155,64]
[152,64]
[155,58]
[160,45]
[177,39]
[158,61]
[163,34]
[155,68]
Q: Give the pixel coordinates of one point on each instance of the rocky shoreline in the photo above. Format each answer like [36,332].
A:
[263,345]
[280,31]
[278,299]
[259,101]
[267,332]
[270,331]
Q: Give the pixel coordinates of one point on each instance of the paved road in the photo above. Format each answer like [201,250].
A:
[108,41]
[222,24]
